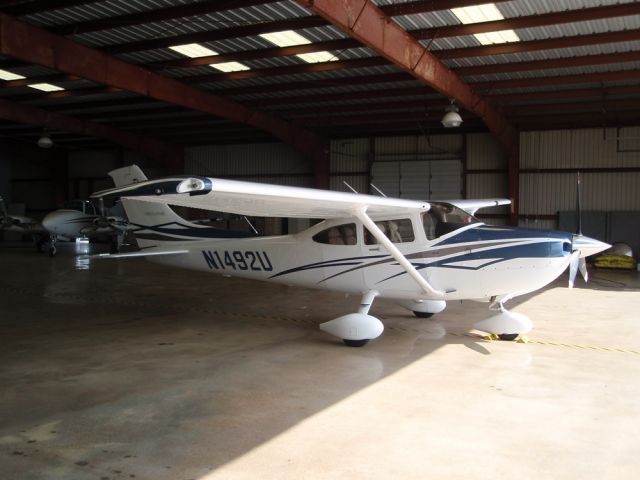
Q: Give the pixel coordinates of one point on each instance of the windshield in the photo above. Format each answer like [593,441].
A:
[443,218]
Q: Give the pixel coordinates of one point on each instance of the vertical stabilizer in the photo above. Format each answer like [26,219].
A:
[127,175]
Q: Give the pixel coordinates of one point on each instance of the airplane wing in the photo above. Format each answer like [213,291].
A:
[258,199]
[472,206]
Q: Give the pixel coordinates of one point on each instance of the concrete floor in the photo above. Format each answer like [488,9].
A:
[125,369]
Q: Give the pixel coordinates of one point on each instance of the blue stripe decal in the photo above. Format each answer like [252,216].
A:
[190,231]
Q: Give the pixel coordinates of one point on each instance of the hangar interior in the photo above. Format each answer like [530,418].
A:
[224,378]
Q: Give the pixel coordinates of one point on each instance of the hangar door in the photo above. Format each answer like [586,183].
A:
[419,179]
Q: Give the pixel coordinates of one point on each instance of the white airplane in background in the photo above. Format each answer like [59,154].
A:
[22,225]
[421,254]
[80,218]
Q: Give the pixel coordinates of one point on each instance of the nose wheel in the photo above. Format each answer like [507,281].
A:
[355,343]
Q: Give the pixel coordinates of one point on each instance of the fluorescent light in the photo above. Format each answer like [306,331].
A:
[289,38]
[4,75]
[286,38]
[485,13]
[478,13]
[229,67]
[46,87]
[317,57]
[193,50]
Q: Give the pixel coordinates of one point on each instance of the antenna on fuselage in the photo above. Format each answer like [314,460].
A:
[251,225]
[350,187]
[378,190]
[578,206]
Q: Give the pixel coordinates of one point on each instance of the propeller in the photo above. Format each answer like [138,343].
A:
[582,246]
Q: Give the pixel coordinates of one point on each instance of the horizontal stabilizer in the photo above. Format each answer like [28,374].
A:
[141,253]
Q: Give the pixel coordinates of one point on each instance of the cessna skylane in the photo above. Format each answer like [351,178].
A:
[81,218]
[421,254]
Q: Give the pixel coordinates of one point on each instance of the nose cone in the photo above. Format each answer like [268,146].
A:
[588,246]
[49,222]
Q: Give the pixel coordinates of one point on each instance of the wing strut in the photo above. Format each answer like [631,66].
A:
[361,214]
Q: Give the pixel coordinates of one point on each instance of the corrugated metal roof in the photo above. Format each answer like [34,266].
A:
[319,85]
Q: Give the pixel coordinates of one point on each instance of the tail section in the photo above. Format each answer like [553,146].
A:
[157,225]
[127,175]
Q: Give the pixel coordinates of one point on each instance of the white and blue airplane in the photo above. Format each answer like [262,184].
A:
[421,254]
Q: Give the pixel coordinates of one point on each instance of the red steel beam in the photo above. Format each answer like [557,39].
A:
[163,14]
[35,45]
[362,20]
[169,154]
[603,105]
[279,25]
[620,75]
[563,94]
[548,44]
[565,62]
[42,6]
[554,18]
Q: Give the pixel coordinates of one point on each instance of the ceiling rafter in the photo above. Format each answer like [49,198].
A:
[169,13]
[169,154]
[566,93]
[554,18]
[563,62]
[38,46]
[621,75]
[366,23]
[547,44]
[42,6]
[212,6]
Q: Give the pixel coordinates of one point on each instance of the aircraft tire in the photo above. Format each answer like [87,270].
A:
[355,343]
[52,252]
[508,337]
[423,314]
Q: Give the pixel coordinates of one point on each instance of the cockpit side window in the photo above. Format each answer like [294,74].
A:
[398,231]
[443,218]
[89,209]
[338,235]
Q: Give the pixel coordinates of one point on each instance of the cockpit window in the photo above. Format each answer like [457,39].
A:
[338,235]
[443,218]
[398,231]
[80,205]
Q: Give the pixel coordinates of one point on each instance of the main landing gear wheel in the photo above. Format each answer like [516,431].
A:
[508,337]
[423,314]
[355,343]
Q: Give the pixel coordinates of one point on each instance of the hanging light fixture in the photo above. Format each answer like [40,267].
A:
[45,140]
[451,118]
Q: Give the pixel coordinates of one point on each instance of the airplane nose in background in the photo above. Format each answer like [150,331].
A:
[588,246]
[52,221]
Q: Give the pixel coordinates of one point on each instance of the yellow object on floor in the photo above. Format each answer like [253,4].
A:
[615,261]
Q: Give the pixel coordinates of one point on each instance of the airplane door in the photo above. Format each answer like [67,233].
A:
[341,257]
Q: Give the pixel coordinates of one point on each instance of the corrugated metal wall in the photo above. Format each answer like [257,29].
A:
[486,174]
[549,161]
[276,163]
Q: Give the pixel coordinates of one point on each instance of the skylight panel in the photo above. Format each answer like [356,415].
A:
[5,75]
[485,13]
[289,38]
[46,87]
[229,67]
[317,57]
[286,38]
[195,50]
